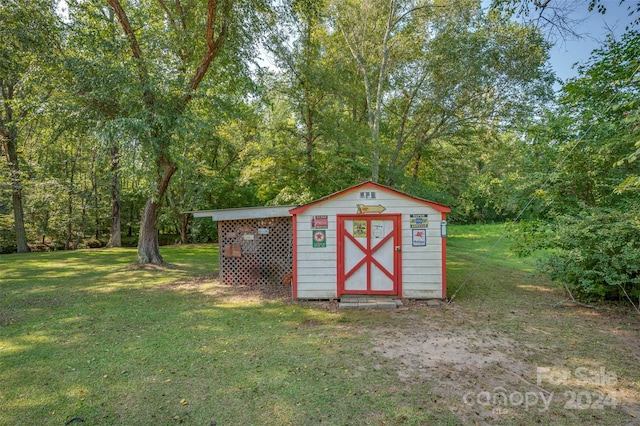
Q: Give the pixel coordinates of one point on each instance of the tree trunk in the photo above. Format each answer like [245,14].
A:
[71,173]
[374,110]
[67,242]
[96,197]
[148,244]
[18,218]
[115,239]
[184,228]
[9,137]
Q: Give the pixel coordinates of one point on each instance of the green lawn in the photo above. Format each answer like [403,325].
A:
[86,335]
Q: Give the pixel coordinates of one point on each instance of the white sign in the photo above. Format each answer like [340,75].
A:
[418,237]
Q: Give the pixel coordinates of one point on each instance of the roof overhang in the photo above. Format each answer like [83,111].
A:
[244,213]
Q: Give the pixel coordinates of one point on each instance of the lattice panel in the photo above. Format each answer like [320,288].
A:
[256,251]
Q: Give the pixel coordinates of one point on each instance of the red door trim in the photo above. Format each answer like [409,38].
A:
[396,234]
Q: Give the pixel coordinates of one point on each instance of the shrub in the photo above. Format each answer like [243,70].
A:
[598,254]
[94,243]
[7,235]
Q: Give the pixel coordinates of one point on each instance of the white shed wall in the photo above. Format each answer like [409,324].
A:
[317,267]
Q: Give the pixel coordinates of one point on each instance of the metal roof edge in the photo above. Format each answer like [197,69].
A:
[238,213]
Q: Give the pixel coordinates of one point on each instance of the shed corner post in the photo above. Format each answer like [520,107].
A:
[220,252]
[294,277]
[443,239]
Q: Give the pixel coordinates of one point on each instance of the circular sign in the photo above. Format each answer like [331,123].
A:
[319,236]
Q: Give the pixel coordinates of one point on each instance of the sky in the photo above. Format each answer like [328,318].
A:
[593,28]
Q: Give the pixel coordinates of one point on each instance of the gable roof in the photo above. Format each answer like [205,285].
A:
[369,184]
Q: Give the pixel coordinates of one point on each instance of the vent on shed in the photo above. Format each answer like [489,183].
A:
[256,251]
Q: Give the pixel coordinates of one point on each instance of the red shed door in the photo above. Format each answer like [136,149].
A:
[369,256]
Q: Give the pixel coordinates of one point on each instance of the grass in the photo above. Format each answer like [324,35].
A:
[85,335]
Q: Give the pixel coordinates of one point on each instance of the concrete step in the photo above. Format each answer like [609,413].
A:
[369,302]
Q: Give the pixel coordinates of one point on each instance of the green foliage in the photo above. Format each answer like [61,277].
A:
[598,254]
[583,171]
[7,235]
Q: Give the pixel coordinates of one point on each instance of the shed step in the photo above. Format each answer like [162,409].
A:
[369,302]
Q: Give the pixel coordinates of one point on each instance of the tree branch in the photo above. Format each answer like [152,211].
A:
[135,50]
[183,20]
[213,44]
[169,15]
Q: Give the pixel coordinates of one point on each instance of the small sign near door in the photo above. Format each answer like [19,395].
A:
[359,229]
[418,220]
[319,238]
[320,222]
[378,228]
[419,237]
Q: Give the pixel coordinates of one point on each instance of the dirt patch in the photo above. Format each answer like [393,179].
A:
[9,317]
[486,378]
[469,368]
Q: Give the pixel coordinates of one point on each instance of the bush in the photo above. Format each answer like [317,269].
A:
[203,231]
[7,235]
[598,254]
[94,243]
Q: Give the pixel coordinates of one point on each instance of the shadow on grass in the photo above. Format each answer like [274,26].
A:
[113,345]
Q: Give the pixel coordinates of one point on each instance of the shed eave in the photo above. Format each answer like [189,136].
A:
[244,213]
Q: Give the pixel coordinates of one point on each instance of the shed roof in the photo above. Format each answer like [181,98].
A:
[368,185]
[245,213]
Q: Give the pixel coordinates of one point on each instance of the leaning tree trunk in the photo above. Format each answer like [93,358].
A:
[148,244]
[115,237]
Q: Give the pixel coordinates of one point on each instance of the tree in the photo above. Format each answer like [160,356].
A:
[313,135]
[27,34]
[432,71]
[553,16]
[160,137]
[167,51]
[368,28]
[591,216]
[473,77]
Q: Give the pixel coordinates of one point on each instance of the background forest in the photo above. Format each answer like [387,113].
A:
[119,116]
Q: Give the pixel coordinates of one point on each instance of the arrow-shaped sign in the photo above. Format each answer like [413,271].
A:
[370,209]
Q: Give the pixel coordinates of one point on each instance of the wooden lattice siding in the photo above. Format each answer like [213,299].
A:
[265,251]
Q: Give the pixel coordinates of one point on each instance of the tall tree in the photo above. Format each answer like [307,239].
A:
[368,29]
[434,70]
[160,136]
[27,34]
[168,50]
[471,76]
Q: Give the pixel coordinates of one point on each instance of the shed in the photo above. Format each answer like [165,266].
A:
[369,239]
[255,244]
